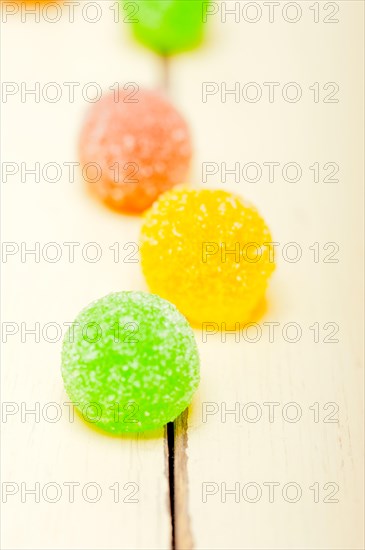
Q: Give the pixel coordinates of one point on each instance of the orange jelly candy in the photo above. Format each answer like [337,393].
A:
[133,147]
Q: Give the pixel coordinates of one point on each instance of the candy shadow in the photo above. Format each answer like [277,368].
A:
[137,436]
[256,315]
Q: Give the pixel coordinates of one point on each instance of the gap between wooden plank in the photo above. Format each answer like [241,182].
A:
[177,441]
[170,463]
[176,438]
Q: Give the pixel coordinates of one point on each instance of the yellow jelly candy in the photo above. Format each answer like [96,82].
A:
[209,253]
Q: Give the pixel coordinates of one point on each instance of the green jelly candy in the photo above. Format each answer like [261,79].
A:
[130,362]
[167,26]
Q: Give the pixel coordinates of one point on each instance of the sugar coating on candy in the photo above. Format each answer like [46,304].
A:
[141,146]
[168,26]
[131,362]
[204,250]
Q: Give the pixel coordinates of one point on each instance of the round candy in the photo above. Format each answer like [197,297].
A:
[167,26]
[130,362]
[138,146]
[209,253]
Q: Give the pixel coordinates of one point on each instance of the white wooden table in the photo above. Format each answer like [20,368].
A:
[284,470]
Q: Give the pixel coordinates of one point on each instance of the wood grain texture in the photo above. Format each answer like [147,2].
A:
[183,535]
[44,292]
[211,451]
[234,451]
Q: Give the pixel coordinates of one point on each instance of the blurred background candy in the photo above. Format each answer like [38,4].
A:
[166,26]
[140,145]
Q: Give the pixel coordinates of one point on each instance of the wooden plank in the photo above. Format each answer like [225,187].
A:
[37,450]
[222,449]
[306,292]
